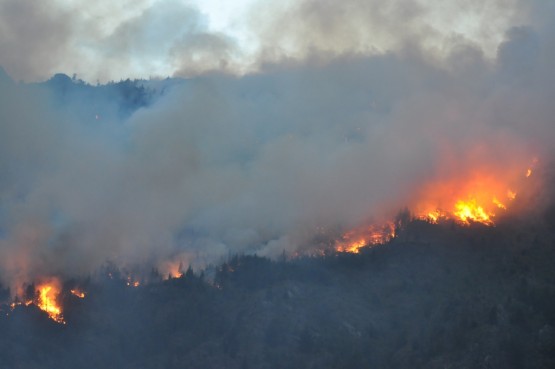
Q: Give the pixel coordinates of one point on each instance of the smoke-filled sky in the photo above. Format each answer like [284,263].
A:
[294,119]
[110,40]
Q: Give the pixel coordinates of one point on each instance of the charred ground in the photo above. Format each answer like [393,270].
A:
[435,296]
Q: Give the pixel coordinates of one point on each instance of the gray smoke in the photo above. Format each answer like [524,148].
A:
[104,40]
[265,162]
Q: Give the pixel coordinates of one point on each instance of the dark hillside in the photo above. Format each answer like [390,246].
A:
[436,296]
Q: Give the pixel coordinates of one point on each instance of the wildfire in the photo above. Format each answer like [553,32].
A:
[351,246]
[467,211]
[478,199]
[433,216]
[175,271]
[47,300]
[354,240]
[18,303]
[171,269]
[131,283]
[499,204]
[78,293]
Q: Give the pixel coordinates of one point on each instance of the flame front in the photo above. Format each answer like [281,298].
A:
[479,198]
[476,200]
[47,300]
[433,216]
[470,211]
[354,240]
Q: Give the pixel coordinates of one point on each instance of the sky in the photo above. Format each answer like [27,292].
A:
[295,122]
[108,40]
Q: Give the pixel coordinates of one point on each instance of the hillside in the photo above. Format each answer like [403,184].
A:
[436,296]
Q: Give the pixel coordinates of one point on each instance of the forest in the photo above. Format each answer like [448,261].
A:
[435,296]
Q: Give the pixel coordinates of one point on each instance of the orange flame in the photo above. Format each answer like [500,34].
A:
[47,300]
[171,268]
[433,216]
[77,292]
[354,240]
[470,210]
[478,199]
[46,297]
[18,303]
[499,204]
[175,270]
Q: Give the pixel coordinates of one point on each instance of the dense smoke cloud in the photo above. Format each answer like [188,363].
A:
[370,27]
[137,39]
[261,163]
[108,40]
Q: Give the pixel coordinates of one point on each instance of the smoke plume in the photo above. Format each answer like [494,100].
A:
[313,142]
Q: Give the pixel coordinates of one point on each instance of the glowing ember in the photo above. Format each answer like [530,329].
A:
[171,268]
[175,271]
[528,172]
[132,283]
[78,293]
[18,303]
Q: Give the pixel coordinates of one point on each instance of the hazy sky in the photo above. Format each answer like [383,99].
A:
[104,39]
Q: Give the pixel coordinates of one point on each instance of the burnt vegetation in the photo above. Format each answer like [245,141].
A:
[435,296]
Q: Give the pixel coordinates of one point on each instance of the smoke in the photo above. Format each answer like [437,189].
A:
[373,27]
[107,40]
[218,164]
[136,39]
